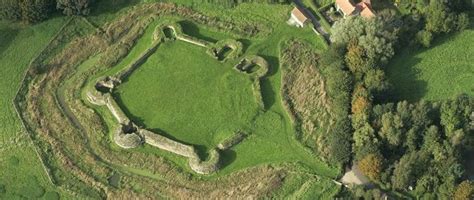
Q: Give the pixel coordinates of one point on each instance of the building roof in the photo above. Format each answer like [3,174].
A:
[346,6]
[299,14]
[365,10]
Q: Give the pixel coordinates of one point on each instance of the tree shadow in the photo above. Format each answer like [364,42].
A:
[111,6]
[469,164]
[189,28]
[7,35]
[403,77]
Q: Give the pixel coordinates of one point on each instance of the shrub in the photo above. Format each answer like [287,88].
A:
[463,21]
[464,191]
[371,166]
[30,11]
[424,38]
[74,7]
[10,10]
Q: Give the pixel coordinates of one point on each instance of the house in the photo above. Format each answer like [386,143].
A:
[297,18]
[363,8]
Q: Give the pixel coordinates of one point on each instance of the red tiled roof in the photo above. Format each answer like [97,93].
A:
[365,10]
[346,6]
[298,13]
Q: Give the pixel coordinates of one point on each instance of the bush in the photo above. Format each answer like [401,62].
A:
[424,38]
[463,21]
[464,191]
[371,166]
[30,11]
[10,10]
[339,143]
[74,7]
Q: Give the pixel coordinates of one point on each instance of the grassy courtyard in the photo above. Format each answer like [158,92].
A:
[442,71]
[186,93]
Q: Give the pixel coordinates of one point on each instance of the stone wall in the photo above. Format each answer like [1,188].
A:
[128,135]
[257,76]
[164,143]
[116,110]
[127,141]
[232,141]
[206,167]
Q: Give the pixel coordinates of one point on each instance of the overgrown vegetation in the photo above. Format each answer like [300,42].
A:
[33,11]
[319,105]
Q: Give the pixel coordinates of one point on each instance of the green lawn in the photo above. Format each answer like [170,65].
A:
[440,72]
[21,174]
[189,95]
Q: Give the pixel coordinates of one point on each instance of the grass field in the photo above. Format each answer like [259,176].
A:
[196,101]
[21,173]
[184,92]
[440,72]
[208,89]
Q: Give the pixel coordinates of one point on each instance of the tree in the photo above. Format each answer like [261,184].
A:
[364,136]
[10,10]
[371,166]
[450,117]
[392,128]
[360,105]
[424,38]
[355,58]
[438,19]
[339,143]
[74,7]
[30,11]
[462,22]
[33,11]
[347,29]
[464,191]
[376,37]
[375,80]
[408,169]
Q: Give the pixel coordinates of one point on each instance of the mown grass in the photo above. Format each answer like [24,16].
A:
[440,72]
[21,174]
[189,95]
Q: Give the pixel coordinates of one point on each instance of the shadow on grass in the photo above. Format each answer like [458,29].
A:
[7,35]
[227,158]
[189,28]
[111,6]
[245,44]
[403,77]
[268,94]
